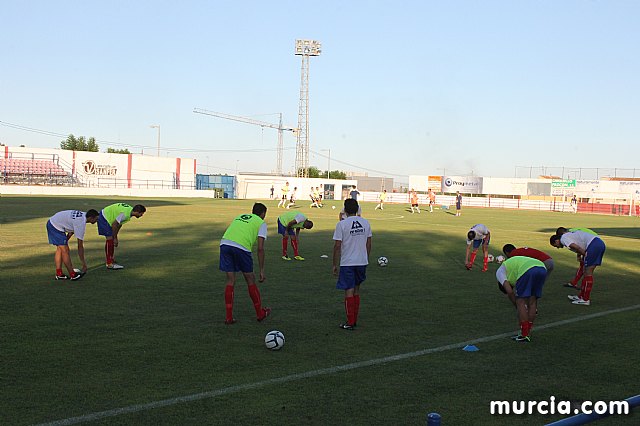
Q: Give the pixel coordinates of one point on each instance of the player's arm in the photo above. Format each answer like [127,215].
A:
[69,235]
[487,237]
[368,246]
[337,248]
[576,248]
[509,292]
[116,228]
[466,256]
[262,277]
[81,255]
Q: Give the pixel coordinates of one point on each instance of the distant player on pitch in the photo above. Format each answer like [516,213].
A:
[413,199]
[109,224]
[235,256]
[521,279]
[289,225]
[432,199]
[351,250]
[478,235]
[383,198]
[284,197]
[510,250]
[60,228]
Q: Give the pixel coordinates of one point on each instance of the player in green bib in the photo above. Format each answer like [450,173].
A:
[580,272]
[521,278]
[289,225]
[110,221]
[235,256]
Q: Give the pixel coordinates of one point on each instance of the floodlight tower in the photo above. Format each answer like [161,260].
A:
[305,49]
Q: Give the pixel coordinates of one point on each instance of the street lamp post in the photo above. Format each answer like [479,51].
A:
[157,126]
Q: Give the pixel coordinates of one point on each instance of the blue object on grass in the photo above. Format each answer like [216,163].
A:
[471,348]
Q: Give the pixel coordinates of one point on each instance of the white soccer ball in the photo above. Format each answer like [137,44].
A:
[500,259]
[383,261]
[333,207]
[274,340]
[490,258]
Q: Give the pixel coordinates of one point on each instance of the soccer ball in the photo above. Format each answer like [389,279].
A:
[500,259]
[274,340]
[333,207]
[383,261]
[490,258]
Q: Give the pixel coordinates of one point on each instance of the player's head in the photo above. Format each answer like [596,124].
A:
[350,206]
[561,230]
[384,190]
[508,248]
[555,241]
[307,224]
[92,216]
[471,235]
[138,210]
[259,209]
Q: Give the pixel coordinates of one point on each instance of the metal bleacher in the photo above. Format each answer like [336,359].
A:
[32,171]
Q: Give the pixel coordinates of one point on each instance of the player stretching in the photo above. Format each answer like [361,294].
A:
[235,256]
[351,249]
[510,250]
[383,198]
[477,235]
[60,228]
[521,279]
[285,196]
[289,225]
[109,224]
[592,249]
[580,272]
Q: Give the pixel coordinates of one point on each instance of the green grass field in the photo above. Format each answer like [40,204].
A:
[117,340]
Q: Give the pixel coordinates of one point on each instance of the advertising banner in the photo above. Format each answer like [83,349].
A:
[464,184]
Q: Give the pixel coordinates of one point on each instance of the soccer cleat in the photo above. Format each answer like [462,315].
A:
[286,258]
[569,285]
[76,277]
[484,269]
[581,302]
[468,266]
[62,277]
[229,322]
[573,297]
[347,327]
[114,266]
[298,258]
[523,339]
[265,313]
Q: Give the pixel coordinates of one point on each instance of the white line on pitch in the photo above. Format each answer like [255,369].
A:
[313,373]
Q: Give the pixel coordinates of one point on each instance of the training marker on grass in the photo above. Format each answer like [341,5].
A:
[314,373]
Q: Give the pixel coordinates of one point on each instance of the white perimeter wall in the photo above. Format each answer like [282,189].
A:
[259,186]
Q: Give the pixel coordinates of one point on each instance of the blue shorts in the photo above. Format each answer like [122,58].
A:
[233,259]
[103,227]
[531,282]
[282,230]
[477,243]
[57,238]
[595,252]
[351,276]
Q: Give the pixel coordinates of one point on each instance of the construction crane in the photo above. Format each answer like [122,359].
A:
[262,124]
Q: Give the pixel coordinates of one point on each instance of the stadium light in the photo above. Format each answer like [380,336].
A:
[157,126]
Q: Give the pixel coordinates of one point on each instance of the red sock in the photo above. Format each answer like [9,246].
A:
[294,244]
[356,299]
[579,273]
[473,258]
[254,293]
[228,302]
[350,307]
[109,249]
[59,272]
[285,243]
[530,327]
[524,328]
[587,283]
[485,262]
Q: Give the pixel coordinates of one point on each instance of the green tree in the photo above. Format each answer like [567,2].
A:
[315,172]
[79,144]
[118,151]
[336,174]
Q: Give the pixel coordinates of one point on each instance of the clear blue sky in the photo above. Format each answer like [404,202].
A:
[403,87]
